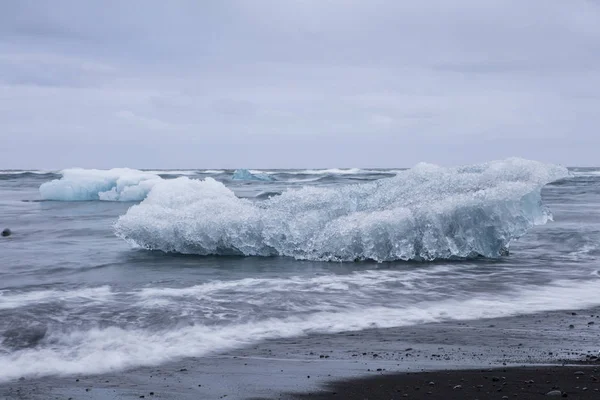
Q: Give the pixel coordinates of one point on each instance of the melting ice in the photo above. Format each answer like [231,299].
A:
[425,213]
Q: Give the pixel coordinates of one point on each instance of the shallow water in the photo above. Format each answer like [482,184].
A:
[75,298]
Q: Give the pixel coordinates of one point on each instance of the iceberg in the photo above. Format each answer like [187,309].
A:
[119,184]
[424,213]
[245,175]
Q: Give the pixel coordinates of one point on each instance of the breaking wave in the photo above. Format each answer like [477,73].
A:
[92,350]
[425,213]
[119,184]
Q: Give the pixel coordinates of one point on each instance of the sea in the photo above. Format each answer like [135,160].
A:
[106,270]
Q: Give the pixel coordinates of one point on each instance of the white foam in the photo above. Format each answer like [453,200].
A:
[425,213]
[589,173]
[119,184]
[111,349]
[261,171]
[9,299]
[357,284]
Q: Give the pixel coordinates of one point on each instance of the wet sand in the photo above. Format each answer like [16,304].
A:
[370,364]
[507,383]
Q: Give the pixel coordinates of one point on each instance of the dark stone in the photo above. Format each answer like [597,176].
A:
[6,232]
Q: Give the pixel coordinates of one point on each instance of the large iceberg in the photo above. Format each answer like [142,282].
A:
[119,184]
[425,213]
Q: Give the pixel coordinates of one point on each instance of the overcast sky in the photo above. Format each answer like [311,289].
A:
[290,83]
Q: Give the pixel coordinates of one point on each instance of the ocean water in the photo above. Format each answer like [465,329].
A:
[108,270]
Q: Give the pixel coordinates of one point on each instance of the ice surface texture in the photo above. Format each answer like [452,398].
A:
[425,213]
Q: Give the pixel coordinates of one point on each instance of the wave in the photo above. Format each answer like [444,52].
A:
[334,171]
[184,172]
[425,213]
[340,171]
[9,300]
[98,350]
[119,184]
[326,171]
[19,174]
[586,173]
[266,195]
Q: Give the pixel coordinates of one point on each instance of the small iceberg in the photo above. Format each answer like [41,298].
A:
[245,175]
[119,184]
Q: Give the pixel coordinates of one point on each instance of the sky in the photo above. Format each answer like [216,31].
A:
[295,84]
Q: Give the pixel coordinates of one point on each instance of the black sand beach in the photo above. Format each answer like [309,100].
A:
[555,350]
[575,382]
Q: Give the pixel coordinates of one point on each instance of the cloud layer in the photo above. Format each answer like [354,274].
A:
[266,83]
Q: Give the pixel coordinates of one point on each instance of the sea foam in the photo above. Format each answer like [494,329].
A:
[119,184]
[425,213]
[90,350]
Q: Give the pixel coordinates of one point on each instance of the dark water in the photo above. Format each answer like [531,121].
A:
[75,298]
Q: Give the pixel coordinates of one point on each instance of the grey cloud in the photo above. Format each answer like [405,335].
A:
[268,83]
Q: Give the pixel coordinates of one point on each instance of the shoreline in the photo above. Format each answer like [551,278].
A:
[312,365]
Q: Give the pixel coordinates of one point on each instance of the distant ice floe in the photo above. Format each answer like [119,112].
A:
[119,184]
[245,175]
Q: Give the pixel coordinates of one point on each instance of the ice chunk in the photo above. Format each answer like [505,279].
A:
[120,184]
[245,175]
[425,213]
